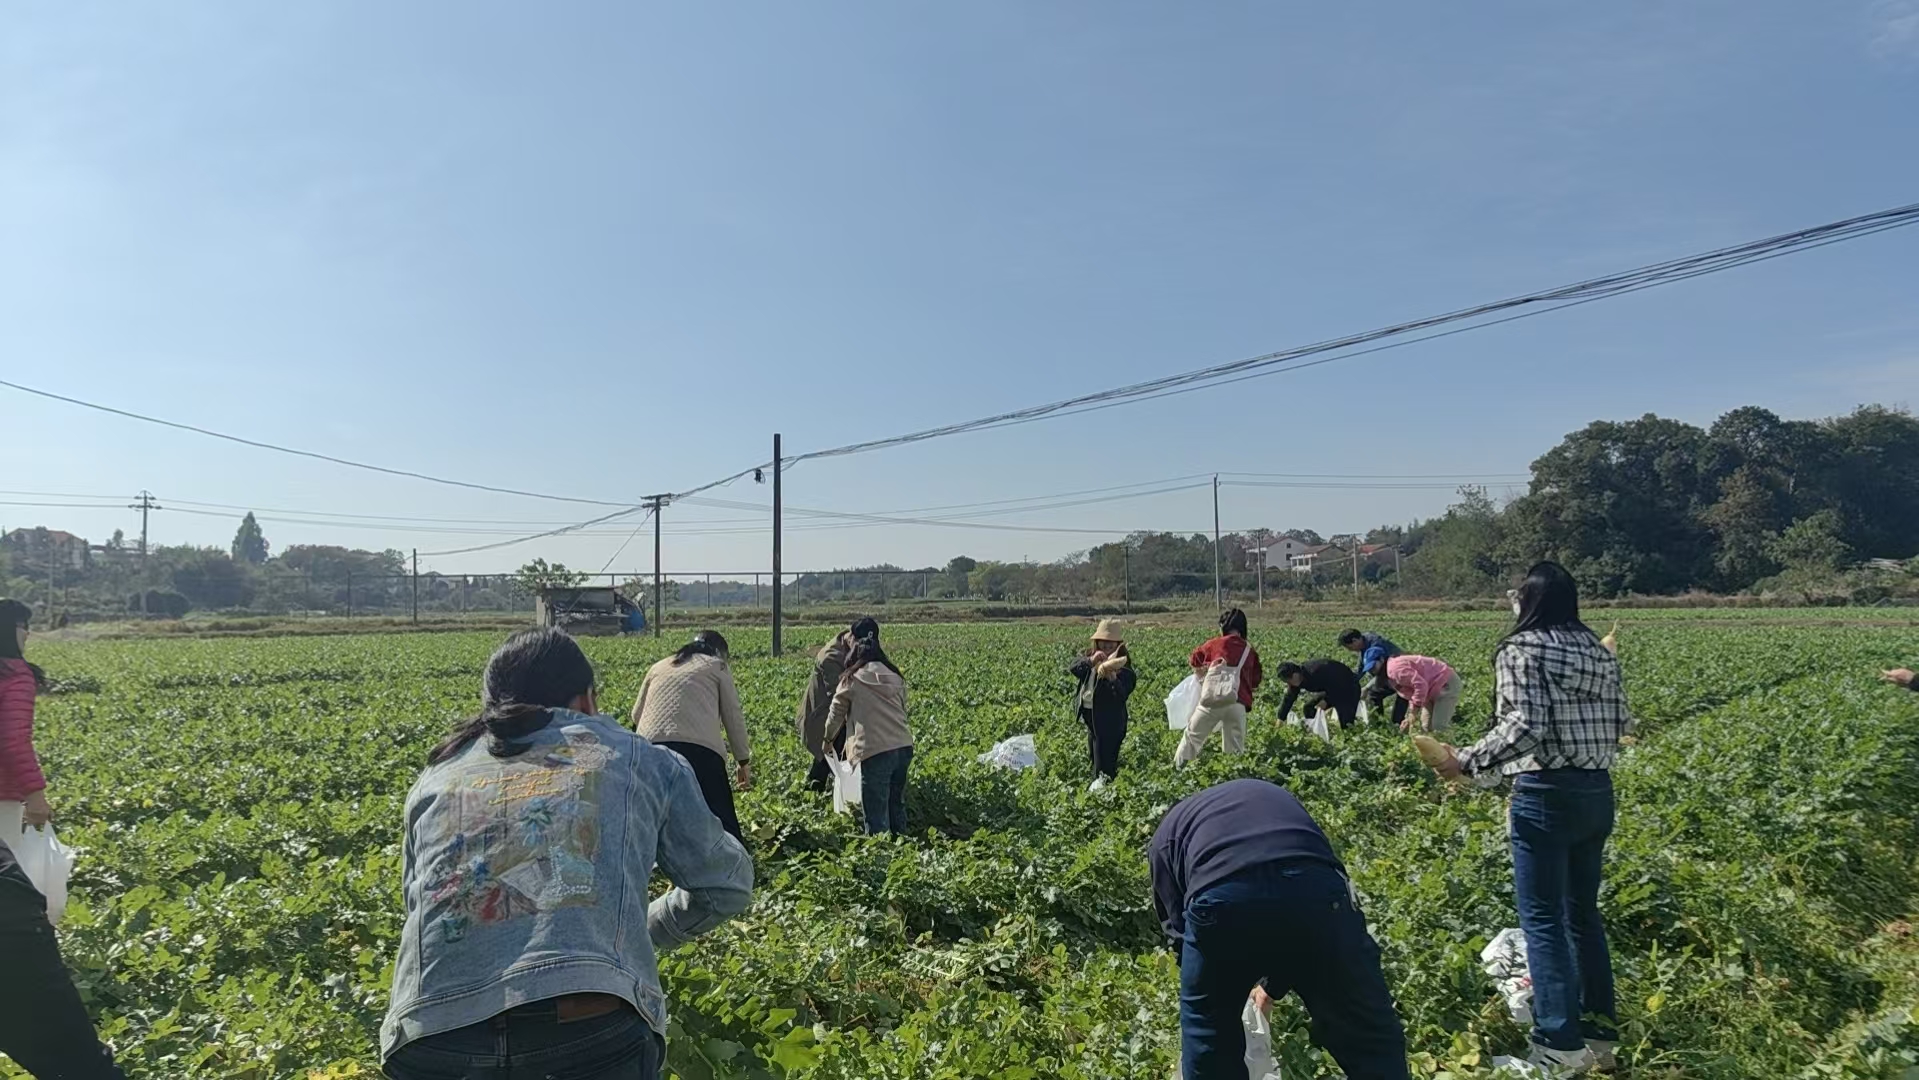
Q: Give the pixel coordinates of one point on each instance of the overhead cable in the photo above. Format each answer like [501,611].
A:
[302,453]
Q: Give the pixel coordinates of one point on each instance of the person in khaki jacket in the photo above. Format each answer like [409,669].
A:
[689,705]
[828,666]
[870,706]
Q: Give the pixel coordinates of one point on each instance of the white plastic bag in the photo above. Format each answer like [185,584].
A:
[1504,958]
[1317,725]
[1015,753]
[47,863]
[846,785]
[1259,1045]
[1182,703]
[1363,718]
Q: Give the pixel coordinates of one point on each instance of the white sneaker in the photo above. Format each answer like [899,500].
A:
[1604,1054]
[1561,1062]
[1098,784]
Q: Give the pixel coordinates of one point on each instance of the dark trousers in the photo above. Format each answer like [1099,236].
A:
[1293,925]
[1104,734]
[43,1026]
[709,769]
[1376,696]
[1560,821]
[883,791]
[532,1044]
[820,776]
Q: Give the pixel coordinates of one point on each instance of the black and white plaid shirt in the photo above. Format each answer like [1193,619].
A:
[1559,706]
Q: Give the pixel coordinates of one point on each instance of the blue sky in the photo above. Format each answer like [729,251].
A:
[604,249]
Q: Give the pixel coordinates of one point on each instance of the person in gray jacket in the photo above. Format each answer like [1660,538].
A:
[529,847]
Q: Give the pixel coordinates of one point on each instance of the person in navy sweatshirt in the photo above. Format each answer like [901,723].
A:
[1256,902]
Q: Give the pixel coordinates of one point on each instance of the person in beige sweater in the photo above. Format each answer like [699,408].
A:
[870,705]
[689,705]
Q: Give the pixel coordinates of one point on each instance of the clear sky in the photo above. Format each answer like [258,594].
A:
[606,249]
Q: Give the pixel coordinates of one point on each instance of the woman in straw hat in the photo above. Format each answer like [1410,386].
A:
[1106,679]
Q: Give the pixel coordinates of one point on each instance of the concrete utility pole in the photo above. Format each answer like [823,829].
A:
[145,506]
[1219,588]
[657,503]
[416,585]
[779,587]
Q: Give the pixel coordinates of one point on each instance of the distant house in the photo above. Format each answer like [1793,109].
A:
[43,544]
[1381,555]
[1308,558]
[1279,553]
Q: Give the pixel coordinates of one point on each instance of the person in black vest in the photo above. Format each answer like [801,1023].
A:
[1252,895]
[1329,684]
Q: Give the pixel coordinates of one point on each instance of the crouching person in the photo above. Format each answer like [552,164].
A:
[1249,890]
[530,841]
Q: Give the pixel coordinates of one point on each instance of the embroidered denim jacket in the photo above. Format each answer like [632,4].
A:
[526,877]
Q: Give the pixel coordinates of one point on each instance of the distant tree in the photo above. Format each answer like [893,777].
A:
[119,541]
[210,580]
[249,544]
[539,574]
[958,571]
[1813,544]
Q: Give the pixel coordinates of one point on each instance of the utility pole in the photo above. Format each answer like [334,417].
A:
[656,503]
[145,505]
[1259,568]
[416,585]
[1127,548]
[1355,542]
[779,583]
[1219,589]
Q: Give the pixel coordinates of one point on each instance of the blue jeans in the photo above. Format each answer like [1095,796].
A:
[532,1045]
[883,791]
[1560,821]
[1293,925]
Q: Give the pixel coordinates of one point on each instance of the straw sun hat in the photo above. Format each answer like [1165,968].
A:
[1108,630]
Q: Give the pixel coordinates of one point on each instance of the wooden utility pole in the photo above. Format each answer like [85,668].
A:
[1219,588]
[779,586]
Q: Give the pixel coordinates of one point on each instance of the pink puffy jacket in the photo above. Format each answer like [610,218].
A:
[19,766]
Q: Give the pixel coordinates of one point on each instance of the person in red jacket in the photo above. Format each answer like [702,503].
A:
[1231,649]
[43,1026]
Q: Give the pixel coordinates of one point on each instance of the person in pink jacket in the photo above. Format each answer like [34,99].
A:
[1430,689]
[44,1027]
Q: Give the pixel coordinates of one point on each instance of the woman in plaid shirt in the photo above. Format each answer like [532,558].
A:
[1558,719]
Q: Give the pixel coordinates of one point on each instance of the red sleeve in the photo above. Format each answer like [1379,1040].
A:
[1198,659]
[19,766]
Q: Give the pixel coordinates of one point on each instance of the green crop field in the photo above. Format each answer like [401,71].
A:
[238,802]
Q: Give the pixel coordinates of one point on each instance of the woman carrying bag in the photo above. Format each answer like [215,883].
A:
[870,707]
[1229,675]
[44,1027]
[689,705]
[1559,714]
[1106,679]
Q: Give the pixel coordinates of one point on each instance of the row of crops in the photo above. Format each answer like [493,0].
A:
[237,907]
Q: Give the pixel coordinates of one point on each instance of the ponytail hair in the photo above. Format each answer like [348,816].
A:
[13,615]
[866,651]
[704,643]
[535,672]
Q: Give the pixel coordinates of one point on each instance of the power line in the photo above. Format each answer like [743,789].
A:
[297,452]
[1645,277]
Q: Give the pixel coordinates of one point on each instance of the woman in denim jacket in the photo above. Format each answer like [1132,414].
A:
[530,841]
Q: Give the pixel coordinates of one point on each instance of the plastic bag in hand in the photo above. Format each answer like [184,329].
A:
[1259,1045]
[1182,703]
[47,863]
[846,784]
